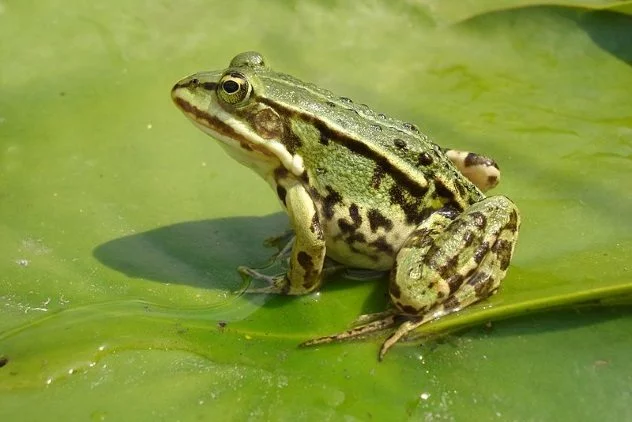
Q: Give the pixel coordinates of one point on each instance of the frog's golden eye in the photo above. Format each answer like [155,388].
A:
[234,88]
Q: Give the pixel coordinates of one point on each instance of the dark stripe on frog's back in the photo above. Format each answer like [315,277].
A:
[350,143]
[386,166]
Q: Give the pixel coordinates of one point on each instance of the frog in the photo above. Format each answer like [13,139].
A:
[362,190]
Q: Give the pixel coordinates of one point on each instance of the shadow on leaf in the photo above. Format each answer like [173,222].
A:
[202,253]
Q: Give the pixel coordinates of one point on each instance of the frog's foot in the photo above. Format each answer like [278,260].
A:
[480,170]
[279,241]
[276,284]
[406,328]
[283,243]
[378,322]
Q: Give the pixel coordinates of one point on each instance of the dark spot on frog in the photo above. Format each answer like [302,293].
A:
[399,143]
[355,237]
[331,104]
[449,212]
[382,245]
[481,252]
[410,310]
[492,180]
[454,282]
[442,190]
[311,280]
[424,159]
[332,199]
[513,221]
[281,193]
[460,188]
[479,220]
[354,213]
[345,226]
[209,86]
[451,303]
[502,248]
[414,215]
[447,270]
[482,283]
[473,159]
[468,238]
[393,288]
[377,220]
[3,361]
[290,139]
[418,238]
[280,173]
[305,260]
[378,174]
[323,139]
[316,228]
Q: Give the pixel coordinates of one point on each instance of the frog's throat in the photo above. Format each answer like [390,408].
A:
[236,132]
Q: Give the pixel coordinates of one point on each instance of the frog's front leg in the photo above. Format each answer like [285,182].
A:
[447,264]
[305,272]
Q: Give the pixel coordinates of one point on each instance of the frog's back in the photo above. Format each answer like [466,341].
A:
[369,156]
[375,178]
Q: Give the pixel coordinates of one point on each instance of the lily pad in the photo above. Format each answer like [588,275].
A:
[121,225]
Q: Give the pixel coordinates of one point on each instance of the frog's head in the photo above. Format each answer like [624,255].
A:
[229,106]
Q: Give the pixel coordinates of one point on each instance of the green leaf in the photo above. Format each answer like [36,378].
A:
[121,225]
[450,12]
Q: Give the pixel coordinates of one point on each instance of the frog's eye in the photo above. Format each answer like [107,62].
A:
[234,88]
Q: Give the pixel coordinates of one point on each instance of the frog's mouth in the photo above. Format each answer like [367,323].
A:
[213,125]
[232,134]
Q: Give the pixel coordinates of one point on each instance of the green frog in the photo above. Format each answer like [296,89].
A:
[362,189]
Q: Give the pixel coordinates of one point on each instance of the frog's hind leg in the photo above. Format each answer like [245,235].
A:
[480,170]
[447,264]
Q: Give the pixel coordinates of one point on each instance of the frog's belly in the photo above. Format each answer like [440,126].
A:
[361,247]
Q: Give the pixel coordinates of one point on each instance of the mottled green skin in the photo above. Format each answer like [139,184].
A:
[366,190]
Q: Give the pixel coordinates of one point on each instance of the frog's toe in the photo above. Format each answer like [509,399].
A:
[276,284]
[367,318]
[359,331]
[402,331]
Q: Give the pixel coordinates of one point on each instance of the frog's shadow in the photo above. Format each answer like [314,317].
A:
[206,254]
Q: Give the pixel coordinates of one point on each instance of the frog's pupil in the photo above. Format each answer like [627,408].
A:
[230,87]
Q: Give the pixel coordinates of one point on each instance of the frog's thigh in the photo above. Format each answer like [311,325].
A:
[446,264]
[480,170]
[308,251]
